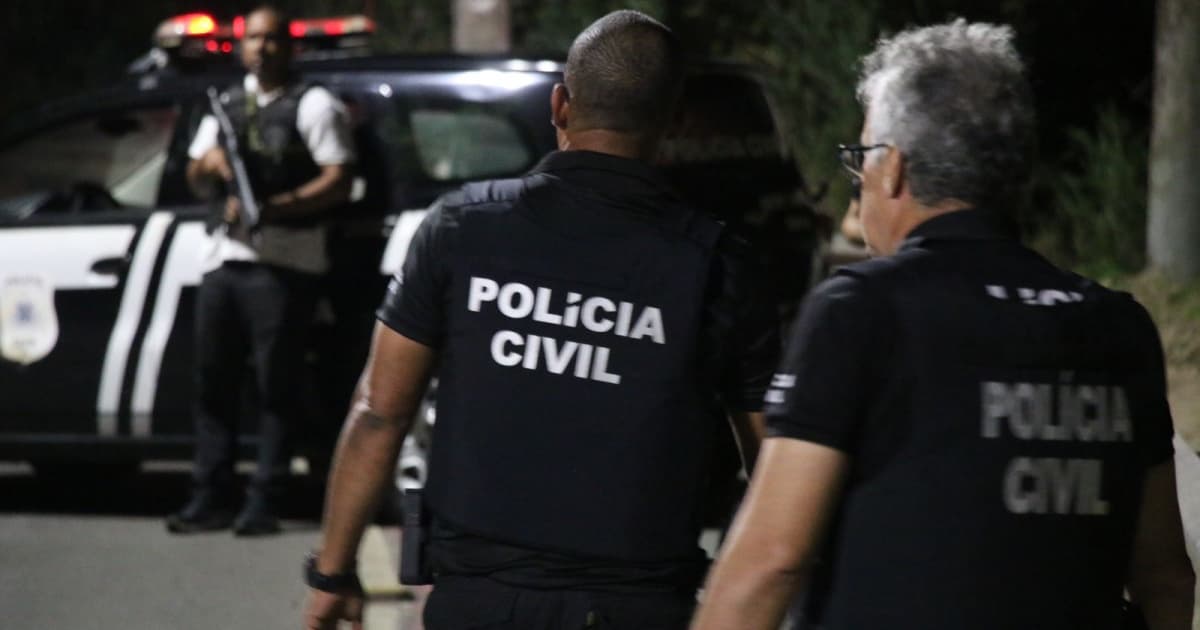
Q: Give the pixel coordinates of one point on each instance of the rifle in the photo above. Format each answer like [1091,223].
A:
[241,180]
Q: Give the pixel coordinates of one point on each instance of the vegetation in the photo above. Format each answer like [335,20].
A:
[1097,196]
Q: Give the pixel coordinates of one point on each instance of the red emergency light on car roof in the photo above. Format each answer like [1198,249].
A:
[193,39]
[332,27]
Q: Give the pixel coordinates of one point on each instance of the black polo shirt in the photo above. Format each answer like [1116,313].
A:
[999,413]
[594,194]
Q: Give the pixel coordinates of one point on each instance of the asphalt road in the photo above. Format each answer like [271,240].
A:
[90,552]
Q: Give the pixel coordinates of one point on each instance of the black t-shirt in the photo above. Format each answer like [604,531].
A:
[999,414]
[739,339]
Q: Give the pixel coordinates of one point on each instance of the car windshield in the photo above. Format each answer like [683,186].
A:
[450,142]
[123,153]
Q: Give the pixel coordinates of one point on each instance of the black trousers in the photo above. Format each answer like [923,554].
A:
[264,313]
[458,602]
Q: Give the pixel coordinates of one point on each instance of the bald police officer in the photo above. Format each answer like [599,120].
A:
[985,436]
[591,332]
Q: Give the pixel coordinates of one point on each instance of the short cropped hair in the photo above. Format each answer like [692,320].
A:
[954,100]
[284,19]
[624,73]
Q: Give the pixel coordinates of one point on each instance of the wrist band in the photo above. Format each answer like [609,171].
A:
[337,583]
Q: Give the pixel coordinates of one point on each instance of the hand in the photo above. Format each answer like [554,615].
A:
[233,210]
[215,164]
[324,610]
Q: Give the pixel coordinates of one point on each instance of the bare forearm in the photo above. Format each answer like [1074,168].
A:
[746,598]
[772,544]
[1168,603]
[363,467]
[1160,574]
[199,182]
[328,189]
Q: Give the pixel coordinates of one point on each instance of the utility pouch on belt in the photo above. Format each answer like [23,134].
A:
[414,568]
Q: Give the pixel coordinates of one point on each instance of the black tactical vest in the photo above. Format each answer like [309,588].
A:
[276,156]
[1001,446]
[571,415]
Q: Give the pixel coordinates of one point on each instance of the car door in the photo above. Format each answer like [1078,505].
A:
[80,244]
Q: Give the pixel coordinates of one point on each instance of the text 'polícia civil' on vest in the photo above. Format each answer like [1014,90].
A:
[596,314]
[1055,412]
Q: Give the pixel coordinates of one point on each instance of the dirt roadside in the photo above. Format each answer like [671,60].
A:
[1184,383]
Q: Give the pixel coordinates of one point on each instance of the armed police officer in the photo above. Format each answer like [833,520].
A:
[260,282]
[986,436]
[591,331]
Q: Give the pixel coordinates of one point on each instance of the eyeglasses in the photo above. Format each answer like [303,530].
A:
[852,156]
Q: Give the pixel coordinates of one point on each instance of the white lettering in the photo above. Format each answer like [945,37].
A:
[624,315]
[516,309]
[1063,478]
[507,359]
[1055,413]
[1031,409]
[784,381]
[1017,497]
[593,323]
[600,368]
[532,346]
[583,364]
[996,407]
[556,360]
[482,290]
[1122,425]
[510,349]
[1050,297]
[1070,413]
[571,313]
[1035,297]
[1054,486]
[541,309]
[650,324]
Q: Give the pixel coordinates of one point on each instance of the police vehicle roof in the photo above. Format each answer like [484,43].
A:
[172,84]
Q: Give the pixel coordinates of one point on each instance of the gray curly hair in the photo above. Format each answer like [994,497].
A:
[953,98]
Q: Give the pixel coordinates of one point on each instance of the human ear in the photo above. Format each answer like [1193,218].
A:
[892,173]
[560,106]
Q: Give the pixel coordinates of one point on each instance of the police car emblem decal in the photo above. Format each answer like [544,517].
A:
[28,322]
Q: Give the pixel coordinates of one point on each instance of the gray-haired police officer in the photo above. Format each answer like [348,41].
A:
[588,328]
[987,435]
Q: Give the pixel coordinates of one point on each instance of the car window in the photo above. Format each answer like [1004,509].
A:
[121,153]
[446,143]
[456,145]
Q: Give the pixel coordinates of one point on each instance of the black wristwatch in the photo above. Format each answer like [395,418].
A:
[338,583]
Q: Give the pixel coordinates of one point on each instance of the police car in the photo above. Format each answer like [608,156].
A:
[100,236]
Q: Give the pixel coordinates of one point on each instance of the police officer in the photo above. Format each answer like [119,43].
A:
[588,326]
[260,283]
[985,436]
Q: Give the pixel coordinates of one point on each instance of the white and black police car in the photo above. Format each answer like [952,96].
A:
[100,236]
